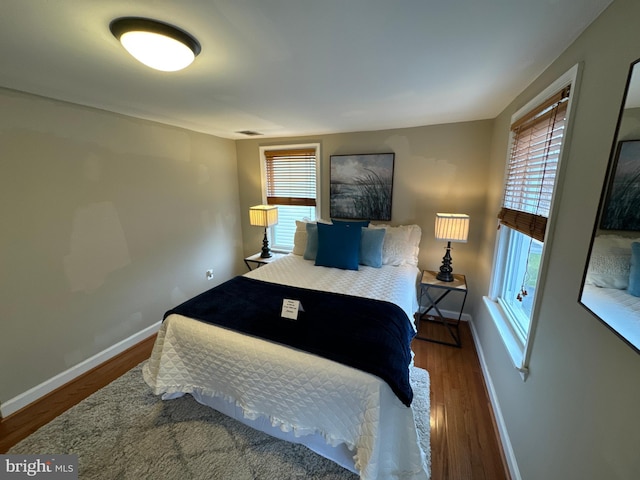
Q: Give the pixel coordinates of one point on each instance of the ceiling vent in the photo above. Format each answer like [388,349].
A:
[249,133]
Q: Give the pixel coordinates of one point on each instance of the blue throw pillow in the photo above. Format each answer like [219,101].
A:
[350,223]
[311,250]
[371,247]
[634,272]
[338,246]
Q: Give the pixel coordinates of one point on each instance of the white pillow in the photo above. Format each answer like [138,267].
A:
[401,244]
[610,262]
[300,238]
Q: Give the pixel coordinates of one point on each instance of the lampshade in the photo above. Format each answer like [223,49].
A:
[263,215]
[452,227]
[156,44]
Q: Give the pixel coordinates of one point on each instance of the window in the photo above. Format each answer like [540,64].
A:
[290,181]
[538,132]
[521,274]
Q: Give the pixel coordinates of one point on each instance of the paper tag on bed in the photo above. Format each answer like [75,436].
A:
[290,308]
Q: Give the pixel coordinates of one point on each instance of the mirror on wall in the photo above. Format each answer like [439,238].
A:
[611,284]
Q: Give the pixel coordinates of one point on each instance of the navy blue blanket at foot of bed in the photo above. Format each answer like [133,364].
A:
[371,335]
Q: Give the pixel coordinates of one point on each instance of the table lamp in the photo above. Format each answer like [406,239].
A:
[264,216]
[452,227]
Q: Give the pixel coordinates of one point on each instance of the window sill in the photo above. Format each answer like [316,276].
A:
[514,346]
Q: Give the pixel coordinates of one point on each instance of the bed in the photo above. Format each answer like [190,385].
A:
[343,413]
[619,309]
[612,284]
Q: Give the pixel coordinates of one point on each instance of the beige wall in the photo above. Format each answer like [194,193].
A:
[576,416]
[440,168]
[107,221]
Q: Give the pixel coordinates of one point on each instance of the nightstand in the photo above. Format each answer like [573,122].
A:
[256,260]
[432,291]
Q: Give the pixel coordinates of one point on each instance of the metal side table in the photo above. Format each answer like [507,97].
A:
[434,291]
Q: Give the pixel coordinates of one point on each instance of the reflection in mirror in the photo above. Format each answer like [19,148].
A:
[611,286]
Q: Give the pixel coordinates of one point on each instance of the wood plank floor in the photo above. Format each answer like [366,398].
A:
[464,444]
[464,439]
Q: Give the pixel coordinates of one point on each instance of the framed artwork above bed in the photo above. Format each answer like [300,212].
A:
[622,207]
[362,186]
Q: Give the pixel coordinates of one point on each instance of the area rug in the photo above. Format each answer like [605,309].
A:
[123,431]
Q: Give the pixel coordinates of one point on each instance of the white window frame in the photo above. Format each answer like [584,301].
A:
[519,346]
[263,177]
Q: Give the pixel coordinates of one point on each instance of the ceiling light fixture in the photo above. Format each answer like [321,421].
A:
[156,44]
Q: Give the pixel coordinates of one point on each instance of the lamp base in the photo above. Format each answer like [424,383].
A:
[266,251]
[445,274]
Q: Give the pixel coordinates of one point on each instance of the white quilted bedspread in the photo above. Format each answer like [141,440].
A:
[620,309]
[396,284]
[295,390]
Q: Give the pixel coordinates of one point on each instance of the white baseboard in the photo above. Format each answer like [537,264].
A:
[512,464]
[39,391]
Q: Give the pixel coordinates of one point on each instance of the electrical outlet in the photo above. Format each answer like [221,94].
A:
[209,274]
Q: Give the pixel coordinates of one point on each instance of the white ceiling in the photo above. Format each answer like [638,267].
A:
[294,67]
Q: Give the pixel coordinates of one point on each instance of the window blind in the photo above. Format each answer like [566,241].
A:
[532,168]
[291,177]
